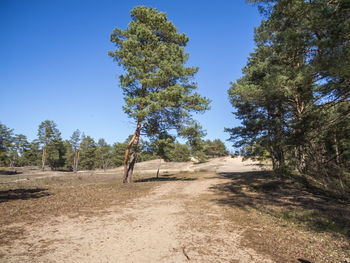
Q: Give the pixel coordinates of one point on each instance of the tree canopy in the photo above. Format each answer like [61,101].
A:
[293,99]
[158,88]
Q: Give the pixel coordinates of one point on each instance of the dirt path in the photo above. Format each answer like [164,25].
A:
[171,224]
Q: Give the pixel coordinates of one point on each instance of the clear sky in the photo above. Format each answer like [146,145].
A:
[54,63]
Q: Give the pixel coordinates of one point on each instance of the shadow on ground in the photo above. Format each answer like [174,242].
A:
[165,177]
[6,172]
[23,194]
[284,199]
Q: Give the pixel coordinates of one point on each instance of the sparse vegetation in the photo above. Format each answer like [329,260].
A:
[189,200]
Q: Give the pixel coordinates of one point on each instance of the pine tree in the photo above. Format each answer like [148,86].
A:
[48,137]
[75,143]
[104,154]
[293,99]
[88,153]
[19,146]
[158,88]
[5,144]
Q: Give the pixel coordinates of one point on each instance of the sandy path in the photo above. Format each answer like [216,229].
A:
[155,228]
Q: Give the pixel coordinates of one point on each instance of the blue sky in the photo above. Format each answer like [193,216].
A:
[54,63]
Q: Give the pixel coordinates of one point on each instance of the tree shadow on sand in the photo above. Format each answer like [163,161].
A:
[284,199]
[7,172]
[165,177]
[22,194]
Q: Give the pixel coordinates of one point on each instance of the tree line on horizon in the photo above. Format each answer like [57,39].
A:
[81,152]
[294,97]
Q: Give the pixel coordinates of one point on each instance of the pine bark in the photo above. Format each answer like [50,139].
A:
[128,170]
[43,159]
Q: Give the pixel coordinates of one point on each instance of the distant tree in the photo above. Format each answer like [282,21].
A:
[194,135]
[5,144]
[75,140]
[56,153]
[180,153]
[19,146]
[158,88]
[215,148]
[118,153]
[88,154]
[163,145]
[31,155]
[104,154]
[146,151]
[48,136]
[69,156]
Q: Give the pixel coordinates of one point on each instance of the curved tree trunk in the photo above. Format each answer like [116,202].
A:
[128,171]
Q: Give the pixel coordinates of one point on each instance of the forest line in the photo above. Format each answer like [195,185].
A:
[82,152]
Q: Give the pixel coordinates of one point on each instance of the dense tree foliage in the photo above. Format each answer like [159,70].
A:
[215,148]
[74,141]
[49,138]
[5,144]
[158,88]
[293,99]
[104,154]
[194,134]
[81,152]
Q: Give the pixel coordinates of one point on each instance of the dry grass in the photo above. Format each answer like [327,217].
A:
[285,221]
[253,210]
[33,201]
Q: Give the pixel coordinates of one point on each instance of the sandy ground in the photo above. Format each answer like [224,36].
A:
[221,164]
[167,225]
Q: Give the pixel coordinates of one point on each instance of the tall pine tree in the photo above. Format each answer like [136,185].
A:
[158,87]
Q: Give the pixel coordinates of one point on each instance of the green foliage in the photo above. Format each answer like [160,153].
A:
[118,153]
[163,145]
[18,147]
[145,152]
[48,133]
[180,153]
[53,150]
[31,155]
[69,156]
[56,152]
[88,154]
[159,91]
[60,155]
[194,134]
[215,148]
[293,100]
[104,154]
[156,85]
[5,144]
[75,140]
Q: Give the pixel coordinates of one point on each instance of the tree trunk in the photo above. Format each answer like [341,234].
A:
[43,159]
[77,161]
[160,163]
[12,161]
[337,159]
[128,171]
[74,161]
[131,167]
[104,165]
